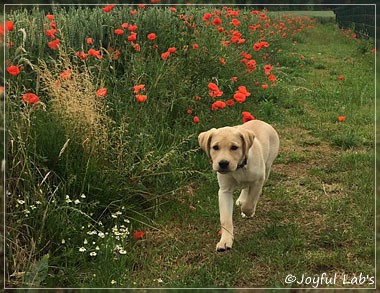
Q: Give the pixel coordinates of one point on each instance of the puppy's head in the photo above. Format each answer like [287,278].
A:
[227,147]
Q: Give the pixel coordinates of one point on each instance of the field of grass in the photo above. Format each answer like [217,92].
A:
[106,185]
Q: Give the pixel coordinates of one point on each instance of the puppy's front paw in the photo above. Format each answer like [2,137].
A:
[224,244]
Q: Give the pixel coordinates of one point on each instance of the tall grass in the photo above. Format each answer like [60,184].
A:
[85,171]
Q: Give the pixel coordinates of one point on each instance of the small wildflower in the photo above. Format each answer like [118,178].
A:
[102,92]
[138,235]
[77,201]
[63,241]
[122,251]
[85,241]
[113,282]
[93,253]
[82,249]
[83,195]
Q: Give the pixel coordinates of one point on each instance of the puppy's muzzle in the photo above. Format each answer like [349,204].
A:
[223,166]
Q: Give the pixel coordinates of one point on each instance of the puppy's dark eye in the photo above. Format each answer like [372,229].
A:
[215,148]
[234,148]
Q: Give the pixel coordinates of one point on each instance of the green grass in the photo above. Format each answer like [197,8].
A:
[137,167]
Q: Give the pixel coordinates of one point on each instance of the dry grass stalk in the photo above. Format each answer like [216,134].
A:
[73,99]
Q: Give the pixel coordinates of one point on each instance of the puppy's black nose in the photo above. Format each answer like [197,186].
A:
[223,164]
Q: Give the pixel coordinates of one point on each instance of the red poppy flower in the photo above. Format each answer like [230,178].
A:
[342,118]
[95,53]
[222,60]
[132,37]
[246,55]
[137,47]
[141,98]
[247,117]
[165,55]
[216,21]
[230,102]
[89,41]
[50,17]
[118,31]
[196,119]
[13,70]
[133,12]
[172,50]
[50,33]
[108,8]
[138,235]
[173,9]
[272,78]
[132,27]
[195,46]
[102,92]
[152,36]
[267,69]
[264,86]
[218,105]
[30,98]
[235,22]
[242,89]
[124,25]
[213,87]
[138,88]
[9,25]
[234,78]
[54,44]
[81,55]
[341,77]
[251,64]
[225,43]
[206,16]
[65,74]
[239,97]
[256,46]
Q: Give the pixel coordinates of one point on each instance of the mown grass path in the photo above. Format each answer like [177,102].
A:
[317,212]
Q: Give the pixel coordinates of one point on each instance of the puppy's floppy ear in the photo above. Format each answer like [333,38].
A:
[204,140]
[247,137]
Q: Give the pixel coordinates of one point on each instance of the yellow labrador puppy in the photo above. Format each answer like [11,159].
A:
[242,156]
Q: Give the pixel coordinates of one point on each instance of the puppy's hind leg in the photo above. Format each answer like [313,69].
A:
[243,197]
[248,209]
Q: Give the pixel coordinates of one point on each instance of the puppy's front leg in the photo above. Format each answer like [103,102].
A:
[225,210]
